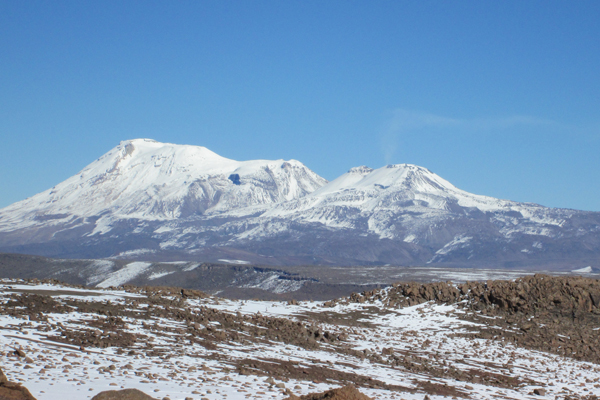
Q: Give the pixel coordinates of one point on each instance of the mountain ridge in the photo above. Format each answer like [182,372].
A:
[150,199]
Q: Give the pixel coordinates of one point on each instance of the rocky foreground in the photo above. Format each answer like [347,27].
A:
[536,337]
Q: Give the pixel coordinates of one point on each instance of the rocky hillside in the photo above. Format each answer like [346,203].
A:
[499,339]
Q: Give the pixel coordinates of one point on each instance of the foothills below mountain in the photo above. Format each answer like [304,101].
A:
[164,202]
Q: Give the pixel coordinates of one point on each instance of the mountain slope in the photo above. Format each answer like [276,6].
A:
[149,200]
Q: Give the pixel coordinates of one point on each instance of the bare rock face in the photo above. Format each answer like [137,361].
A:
[13,391]
[125,394]
[349,392]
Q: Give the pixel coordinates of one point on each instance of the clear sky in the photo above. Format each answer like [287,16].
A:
[501,98]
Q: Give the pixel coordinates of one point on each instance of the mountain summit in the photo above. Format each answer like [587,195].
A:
[150,200]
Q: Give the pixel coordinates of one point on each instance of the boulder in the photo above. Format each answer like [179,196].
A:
[13,391]
[349,392]
[125,394]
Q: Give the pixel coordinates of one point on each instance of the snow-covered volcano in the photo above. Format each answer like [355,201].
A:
[407,202]
[392,187]
[147,180]
[147,199]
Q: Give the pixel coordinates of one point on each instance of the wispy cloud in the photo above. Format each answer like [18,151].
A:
[483,124]
[407,122]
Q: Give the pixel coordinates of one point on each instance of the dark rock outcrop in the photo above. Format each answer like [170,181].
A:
[125,394]
[541,312]
[12,390]
[348,392]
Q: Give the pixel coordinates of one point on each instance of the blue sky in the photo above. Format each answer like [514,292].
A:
[500,98]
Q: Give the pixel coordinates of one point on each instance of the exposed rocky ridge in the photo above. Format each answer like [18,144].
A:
[547,313]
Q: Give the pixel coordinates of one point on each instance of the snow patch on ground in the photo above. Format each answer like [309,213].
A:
[125,274]
[457,242]
[585,270]
[191,267]
[410,238]
[134,253]
[101,268]
[156,275]
[275,284]
[241,262]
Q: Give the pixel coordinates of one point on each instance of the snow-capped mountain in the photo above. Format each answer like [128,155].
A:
[146,180]
[402,201]
[405,214]
[152,200]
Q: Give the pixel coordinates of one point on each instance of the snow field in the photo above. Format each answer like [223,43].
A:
[430,332]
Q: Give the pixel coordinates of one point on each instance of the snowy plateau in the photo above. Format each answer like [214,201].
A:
[152,201]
